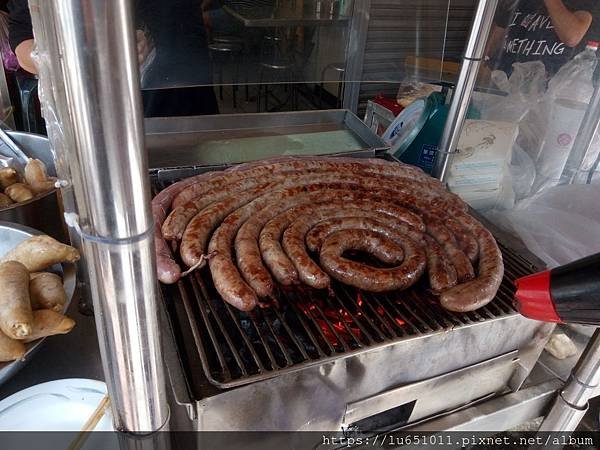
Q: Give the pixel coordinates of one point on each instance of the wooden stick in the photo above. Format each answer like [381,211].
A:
[91,423]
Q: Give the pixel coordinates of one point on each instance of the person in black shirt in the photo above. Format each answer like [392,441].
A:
[551,31]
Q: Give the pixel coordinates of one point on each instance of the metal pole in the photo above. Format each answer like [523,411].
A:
[572,403]
[461,97]
[582,147]
[91,99]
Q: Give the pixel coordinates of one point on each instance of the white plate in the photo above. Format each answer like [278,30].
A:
[61,405]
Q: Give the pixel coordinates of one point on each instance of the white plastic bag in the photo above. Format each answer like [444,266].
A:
[559,226]
[525,87]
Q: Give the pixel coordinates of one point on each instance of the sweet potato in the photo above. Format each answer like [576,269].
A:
[48,323]
[16,318]
[10,349]
[5,201]
[37,178]
[40,252]
[46,291]
[8,176]
[19,192]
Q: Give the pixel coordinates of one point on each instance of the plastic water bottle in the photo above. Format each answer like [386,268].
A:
[574,80]
[568,96]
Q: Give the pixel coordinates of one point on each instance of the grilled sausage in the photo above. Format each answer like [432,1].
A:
[197,233]
[462,264]
[269,241]
[225,274]
[316,236]
[248,256]
[173,227]
[266,168]
[293,243]
[226,277]
[370,278]
[182,192]
[198,230]
[248,252]
[466,242]
[167,270]
[175,223]
[441,272]
[480,291]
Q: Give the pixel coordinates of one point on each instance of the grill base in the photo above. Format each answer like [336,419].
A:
[318,397]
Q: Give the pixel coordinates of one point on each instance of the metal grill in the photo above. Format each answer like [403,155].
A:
[311,327]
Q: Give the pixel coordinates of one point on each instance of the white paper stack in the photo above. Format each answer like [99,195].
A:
[479,168]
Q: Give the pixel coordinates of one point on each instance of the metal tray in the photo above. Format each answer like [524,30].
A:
[28,213]
[236,138]
[10,235]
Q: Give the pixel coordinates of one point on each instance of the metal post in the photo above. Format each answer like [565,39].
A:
[572,403]
[91,99]
[355,52]
[461,98]
[582,147]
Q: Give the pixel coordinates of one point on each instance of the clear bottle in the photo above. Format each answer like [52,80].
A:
[574,80]
[566,101]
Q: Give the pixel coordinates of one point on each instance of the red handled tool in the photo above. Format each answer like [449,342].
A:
[569,293]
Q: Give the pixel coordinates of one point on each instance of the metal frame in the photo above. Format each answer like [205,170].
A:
[95,124]
[461,98]
[359,27]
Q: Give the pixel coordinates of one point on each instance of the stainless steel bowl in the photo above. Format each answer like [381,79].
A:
[44,212]
[10,235]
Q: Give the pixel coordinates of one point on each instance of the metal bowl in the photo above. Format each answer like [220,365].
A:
[42,212]
[12,234]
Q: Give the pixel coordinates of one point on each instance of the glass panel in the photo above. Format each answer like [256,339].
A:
[528,157]
[329,50]
[203,42]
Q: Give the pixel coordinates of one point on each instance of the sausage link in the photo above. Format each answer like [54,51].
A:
[363,276]
[182,192]
[316,236]
[167,270]
[339,165]
[226,277]
[480,291]
[269,241]
[293,244]
[442,274]
[174,226]
[198,231]
[462,264]
[180,216]
[247,251]
[466,242]
[175,223]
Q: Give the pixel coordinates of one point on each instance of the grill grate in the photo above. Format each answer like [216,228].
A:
[310,327]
